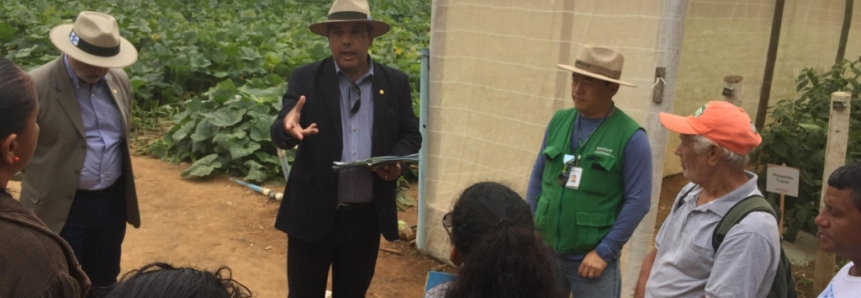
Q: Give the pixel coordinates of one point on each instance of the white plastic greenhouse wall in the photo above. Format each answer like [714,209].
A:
[494,83]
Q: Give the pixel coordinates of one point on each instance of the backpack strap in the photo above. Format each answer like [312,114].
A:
[737,213]
[682,199]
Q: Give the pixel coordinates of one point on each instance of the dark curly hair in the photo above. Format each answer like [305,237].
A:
[502,255]
[158,280]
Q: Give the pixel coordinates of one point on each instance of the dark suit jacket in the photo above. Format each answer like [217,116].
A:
[311,194]
[51,178]
[35,262]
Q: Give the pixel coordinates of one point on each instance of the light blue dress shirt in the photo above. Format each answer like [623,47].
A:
[103,128]
[355,185]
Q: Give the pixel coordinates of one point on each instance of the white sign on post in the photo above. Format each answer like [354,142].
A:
[782,180]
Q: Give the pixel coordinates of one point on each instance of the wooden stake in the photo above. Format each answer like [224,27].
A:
[835,156]
[394,251]
[782,212]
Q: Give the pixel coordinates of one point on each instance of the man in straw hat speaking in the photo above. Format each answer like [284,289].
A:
[591,183]
[80,181]
[342,108]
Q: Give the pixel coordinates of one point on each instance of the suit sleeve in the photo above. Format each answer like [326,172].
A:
[123,79]
[409,139]
[129,95]
[38,77]
[295,89]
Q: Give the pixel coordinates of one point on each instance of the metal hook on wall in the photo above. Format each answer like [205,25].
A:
[658,86]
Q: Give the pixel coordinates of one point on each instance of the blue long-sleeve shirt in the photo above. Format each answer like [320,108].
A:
[637,180]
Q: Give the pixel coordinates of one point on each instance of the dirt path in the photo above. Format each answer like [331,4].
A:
[206,225]
[215,222]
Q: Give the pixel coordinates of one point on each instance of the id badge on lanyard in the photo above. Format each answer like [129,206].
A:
[572,173]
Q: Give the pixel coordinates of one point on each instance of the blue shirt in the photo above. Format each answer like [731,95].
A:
[103,128]
[637,177]
[355,185]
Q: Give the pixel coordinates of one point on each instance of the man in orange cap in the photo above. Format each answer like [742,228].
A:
[685,262]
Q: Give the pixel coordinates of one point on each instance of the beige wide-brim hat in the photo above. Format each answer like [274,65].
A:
[94,39]
[343,11]
[600,63]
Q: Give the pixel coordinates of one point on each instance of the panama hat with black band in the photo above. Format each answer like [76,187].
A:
[94,39]
[350,11]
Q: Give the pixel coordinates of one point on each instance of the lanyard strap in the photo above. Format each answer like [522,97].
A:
[575,162]
[580,142]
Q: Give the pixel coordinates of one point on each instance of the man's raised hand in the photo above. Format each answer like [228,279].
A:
[291,122]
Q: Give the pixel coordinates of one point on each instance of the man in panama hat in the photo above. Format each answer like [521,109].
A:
[80,180]
[342,108]
[591,183]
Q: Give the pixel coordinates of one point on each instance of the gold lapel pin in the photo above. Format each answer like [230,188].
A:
[115,91]
[382,92]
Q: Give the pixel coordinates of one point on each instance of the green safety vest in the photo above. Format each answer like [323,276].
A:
[575,221]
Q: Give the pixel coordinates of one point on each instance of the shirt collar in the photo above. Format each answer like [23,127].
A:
[75,81]
[722,205]
[367,75]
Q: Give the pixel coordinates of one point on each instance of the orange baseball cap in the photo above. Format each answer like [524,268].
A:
[721,122]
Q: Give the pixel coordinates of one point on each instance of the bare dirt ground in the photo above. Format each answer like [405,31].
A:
[216,222]
[669,190]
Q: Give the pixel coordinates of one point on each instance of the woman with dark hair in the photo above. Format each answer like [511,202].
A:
[34,262]
[160,280]
[494,240]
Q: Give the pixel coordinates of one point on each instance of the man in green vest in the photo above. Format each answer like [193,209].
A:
[592,181]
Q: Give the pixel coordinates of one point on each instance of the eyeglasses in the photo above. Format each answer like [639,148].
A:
[446,223]
[358,103]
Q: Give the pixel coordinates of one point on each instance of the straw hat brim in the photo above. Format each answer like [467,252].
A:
[60,38]
[594,75]
[380,28]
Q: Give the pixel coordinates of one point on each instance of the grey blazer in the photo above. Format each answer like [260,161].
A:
[51,178]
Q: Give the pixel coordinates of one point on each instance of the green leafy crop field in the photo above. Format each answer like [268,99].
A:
[211,73]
